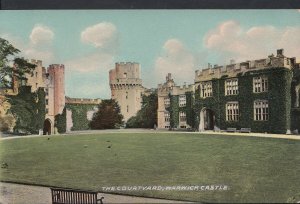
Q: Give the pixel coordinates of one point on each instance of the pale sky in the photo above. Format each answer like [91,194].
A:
[89,42]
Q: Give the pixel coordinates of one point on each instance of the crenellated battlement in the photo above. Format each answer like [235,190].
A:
[178,90]
[232,70]
[125,73]
[36,62]
[86,101]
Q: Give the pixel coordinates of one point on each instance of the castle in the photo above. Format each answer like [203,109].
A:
[52,81]
[261,95]
[126,87]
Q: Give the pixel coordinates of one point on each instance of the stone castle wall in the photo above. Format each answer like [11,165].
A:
[233,69]
[126,87]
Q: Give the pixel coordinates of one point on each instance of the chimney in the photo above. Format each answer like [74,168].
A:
[280,52]
[168,77]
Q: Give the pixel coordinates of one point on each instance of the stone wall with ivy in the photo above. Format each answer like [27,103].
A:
[28,109]
[278,96]
[61,122]
[174,110]
[79,115]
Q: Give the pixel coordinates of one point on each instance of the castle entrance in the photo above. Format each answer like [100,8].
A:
[207,120]
[47,127]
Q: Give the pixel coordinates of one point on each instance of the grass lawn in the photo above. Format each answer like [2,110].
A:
[255,169]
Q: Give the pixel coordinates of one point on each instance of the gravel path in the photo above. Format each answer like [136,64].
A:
[88,132]
[25,194]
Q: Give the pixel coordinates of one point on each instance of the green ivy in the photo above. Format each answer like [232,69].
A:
[174,110]
[28,109]
[79,111]
[278,96]
[61,122]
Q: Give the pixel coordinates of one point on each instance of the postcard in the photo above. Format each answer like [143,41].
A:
[150,106]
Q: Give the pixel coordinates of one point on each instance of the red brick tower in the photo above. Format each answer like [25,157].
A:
[57,73]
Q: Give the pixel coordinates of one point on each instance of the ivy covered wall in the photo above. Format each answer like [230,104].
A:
[174,110]
[278,96]
[61,121]
[28,109]
[79,115]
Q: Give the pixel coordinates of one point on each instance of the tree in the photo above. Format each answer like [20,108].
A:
[28,109]
[12,66]
[147,116]
[108,115]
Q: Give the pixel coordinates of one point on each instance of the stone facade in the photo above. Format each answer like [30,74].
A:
[164,92]
[37,78]
[261,95]
[126,87]
[80,102]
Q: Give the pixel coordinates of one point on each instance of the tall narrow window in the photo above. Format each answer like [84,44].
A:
[206,89]
[167,116]
[182,100]
[231,87]
[261,110]
[127,109]
[126,95]
[125,75]
[167,102]
[260,84]
[232,111]
[182,116]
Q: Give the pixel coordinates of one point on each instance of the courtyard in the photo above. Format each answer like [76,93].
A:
[255,169]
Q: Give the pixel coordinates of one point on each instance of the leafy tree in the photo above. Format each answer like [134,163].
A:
[28,109]
[12,66]
[61,121]
[108,115]
[147,116]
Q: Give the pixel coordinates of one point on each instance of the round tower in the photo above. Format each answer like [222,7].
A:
[126,87]
[57,74]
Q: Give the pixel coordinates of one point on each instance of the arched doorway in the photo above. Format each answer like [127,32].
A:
[47,127]
[207,119]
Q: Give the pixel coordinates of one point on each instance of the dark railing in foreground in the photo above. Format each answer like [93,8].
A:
[71,196]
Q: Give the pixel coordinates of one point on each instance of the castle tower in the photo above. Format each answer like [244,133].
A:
[56,75]
[126,87]
[37,78]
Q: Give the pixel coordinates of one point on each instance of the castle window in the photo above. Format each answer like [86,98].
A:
[167,101]
[182,116]
[182,100]
[46,101]
[206,89]
[261,110]
[126,95]
[232,111]
[36,74]
[167,116]
[127,109]
[47,111]
[125,75]
[231,87]
[260,84]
